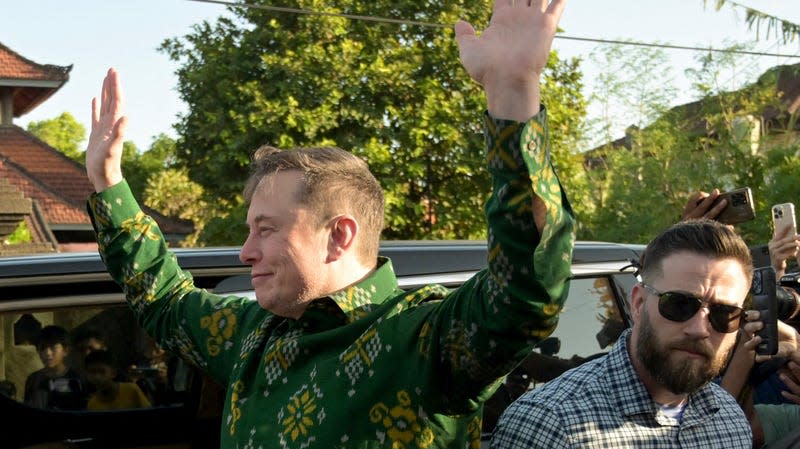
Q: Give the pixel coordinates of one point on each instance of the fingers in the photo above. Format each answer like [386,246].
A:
[699,204]
[716,210]
[95,113]
[751,326]
[119,129]
[116,91]
[463,30]
[790,376]
[556,8]
[751,316]
[105,93]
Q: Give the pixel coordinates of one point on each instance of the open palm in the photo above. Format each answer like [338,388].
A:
[104,151]
[516,44]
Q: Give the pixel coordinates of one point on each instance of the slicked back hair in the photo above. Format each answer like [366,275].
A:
[333,181]
[701,236]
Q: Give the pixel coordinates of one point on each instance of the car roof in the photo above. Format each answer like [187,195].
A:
[70,278]
[454,255]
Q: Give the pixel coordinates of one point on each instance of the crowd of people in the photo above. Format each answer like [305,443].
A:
[99,381]
[313,362]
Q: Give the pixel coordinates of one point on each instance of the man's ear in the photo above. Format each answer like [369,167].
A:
[343,232]
[637,302]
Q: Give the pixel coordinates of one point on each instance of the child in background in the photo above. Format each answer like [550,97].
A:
[110,394]
[56,385]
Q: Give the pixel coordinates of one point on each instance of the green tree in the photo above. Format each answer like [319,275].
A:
[20,235]
[171,192]
[63,133]
[712,143]
[395,95]
[141,166]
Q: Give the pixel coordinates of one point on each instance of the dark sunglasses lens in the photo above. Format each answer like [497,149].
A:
[677,306]
[681,307]
[724,318]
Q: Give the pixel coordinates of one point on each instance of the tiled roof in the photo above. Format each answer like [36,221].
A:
[57,183]
[14,66]
[31,83]
[55,208]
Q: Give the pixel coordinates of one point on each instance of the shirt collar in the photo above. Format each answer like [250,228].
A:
[358,300]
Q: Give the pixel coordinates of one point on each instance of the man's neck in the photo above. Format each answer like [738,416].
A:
[660,394]
[56,371]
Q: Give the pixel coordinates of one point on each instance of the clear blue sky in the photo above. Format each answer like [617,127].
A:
[93,35]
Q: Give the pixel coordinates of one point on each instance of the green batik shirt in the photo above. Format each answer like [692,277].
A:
[370,366]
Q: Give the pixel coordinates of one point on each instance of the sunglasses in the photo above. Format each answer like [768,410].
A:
[680,307]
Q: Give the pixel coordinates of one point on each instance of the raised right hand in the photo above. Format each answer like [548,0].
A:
[104,151]
[783,246]
[699,206]
[508,57]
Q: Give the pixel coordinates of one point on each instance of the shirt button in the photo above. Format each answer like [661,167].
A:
[533,146]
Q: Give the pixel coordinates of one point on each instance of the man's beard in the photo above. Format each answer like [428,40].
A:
[680,376]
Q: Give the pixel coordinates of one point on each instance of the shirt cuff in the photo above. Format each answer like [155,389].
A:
[112,206]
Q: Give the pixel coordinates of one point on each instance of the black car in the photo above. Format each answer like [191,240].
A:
[73,291]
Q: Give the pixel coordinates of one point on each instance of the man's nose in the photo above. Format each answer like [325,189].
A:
[699,324]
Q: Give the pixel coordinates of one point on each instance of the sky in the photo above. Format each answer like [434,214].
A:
[93,35]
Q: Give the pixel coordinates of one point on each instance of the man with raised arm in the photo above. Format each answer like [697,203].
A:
[332,353]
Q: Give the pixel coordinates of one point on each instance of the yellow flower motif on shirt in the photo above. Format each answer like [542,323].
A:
[474,428]
[299,420]
[551,309]
[401,423]
[236,412]
[220,325]
[140,226]
[424,339]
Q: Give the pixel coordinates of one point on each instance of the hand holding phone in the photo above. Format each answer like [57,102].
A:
[783,217]
[740,206]
[764,294]
[784,244]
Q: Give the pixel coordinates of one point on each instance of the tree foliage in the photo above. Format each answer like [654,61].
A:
[63,133]
[172,193]
[20,235]
[760,21]
[140,166]
[396,95]
[716,142]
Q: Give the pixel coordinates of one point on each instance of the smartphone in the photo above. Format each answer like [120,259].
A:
[765,300]
[740,206]
[782,214]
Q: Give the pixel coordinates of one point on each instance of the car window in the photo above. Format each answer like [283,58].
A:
[588,327]
[590,321]
[58,358]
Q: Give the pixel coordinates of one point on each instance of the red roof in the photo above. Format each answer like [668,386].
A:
[56,182]
[32,83]
[14,66]
[43,174]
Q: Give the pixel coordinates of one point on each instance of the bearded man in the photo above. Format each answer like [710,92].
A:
[653,388]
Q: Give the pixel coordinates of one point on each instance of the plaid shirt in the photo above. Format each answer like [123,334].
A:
[603,404]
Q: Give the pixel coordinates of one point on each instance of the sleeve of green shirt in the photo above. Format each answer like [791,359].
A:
[186,320]
[490,323]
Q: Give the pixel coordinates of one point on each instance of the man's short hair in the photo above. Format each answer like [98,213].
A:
[701,236]
[52,335]
[334,181]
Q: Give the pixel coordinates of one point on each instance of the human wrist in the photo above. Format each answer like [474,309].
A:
[513,98]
